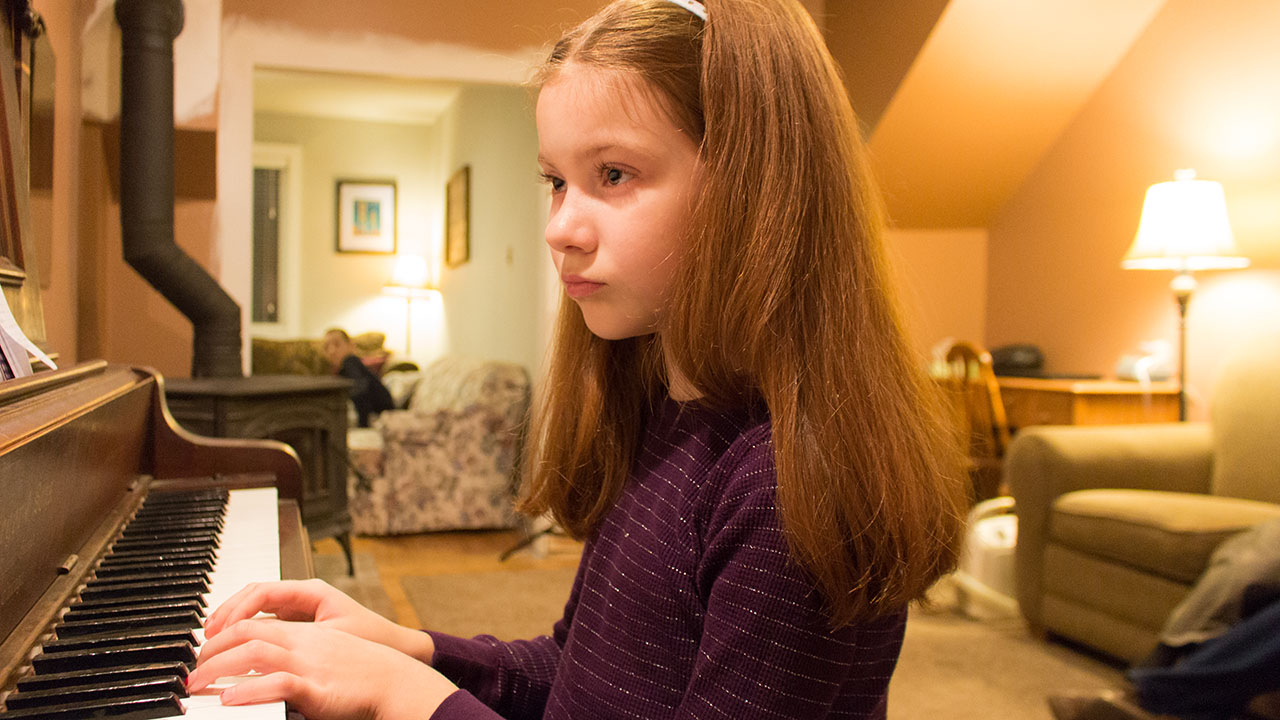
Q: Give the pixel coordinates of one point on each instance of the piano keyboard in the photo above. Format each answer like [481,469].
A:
[123,649]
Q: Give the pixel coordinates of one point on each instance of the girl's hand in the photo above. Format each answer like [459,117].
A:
[320,671]
[317,601]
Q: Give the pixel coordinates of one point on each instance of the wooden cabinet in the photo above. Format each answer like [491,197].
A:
[1039,401]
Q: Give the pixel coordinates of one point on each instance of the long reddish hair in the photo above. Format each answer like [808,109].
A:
[782,295]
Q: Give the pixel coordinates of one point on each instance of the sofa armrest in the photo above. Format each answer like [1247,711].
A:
[1044,462]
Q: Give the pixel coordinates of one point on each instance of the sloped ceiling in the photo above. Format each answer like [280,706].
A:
[991,86]
[875,44]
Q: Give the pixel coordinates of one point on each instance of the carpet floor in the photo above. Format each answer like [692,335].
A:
[364,586]
[510,605]
[955,667]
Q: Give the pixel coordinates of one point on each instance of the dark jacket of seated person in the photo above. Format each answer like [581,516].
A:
[367,392]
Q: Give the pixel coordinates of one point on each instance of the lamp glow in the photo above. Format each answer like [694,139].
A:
[410,279]
[1184,228]
[410,271]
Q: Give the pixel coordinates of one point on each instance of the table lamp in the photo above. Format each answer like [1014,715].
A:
[1184,228]
[410,280]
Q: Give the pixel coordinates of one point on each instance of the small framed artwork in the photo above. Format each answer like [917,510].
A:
[457,218]
[366,216]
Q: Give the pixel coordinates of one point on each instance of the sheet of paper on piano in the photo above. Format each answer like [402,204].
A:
[250,552]
[14,344]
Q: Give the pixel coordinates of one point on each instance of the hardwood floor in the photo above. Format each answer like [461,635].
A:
[445,553]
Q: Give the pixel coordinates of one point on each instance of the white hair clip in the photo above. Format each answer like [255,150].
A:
[692,6]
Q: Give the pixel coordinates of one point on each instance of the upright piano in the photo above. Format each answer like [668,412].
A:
[117,530]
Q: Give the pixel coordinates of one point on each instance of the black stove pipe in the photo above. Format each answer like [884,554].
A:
[147,29]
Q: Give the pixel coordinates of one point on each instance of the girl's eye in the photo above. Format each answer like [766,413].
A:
[556,183]
[614,176]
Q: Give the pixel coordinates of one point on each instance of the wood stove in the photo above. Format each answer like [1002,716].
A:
[308,413]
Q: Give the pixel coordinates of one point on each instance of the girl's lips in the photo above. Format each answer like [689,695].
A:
[579,288]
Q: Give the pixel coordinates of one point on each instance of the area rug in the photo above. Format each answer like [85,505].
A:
[510,605]
[959,668]
[364,586]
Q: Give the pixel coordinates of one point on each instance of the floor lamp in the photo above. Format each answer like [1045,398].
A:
[410,280]
[1184,228]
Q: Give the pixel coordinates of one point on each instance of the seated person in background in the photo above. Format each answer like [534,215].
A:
[368,393]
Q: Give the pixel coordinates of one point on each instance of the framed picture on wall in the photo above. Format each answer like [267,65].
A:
[457,218]
[366,216]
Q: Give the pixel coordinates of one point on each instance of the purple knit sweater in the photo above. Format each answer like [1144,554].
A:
[685,604]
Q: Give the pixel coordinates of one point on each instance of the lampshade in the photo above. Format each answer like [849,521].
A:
[1184,226]
[410,276]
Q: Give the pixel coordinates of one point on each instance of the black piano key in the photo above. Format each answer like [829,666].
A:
[159,596]
[52,681]
[188,526]
[170,530]
[180,512]
[195,508]
[199,519]
[185,528]
[115,657]
[198,542]
[213,503]
[179,536]
[134,708]
[158,496]
[141,590]
[158,578]
[188,538]
[125,638]
[114,613]
[74,628]
[96,691]
[164,496]
[122,569]
[144,555]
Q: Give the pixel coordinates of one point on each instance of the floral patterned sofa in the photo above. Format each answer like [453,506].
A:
[448,461]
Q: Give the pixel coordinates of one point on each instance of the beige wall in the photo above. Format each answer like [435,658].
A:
[488,304]
[58,259]
[942,280]
[1201,89]
[120,317]
[345,289]
[491,302]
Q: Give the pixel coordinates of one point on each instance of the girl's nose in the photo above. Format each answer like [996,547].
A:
[570,226]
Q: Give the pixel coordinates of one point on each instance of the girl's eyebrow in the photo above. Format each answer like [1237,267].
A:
[602,148]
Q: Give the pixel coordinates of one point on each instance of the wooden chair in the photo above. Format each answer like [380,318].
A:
[979,415]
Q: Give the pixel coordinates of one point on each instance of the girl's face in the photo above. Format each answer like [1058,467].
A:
[623,179]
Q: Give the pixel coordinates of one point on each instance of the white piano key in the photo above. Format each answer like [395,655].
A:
[249,552]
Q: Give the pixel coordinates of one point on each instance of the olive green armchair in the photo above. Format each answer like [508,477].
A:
[1116,524]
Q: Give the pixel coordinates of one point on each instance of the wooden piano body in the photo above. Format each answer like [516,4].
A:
[79,451]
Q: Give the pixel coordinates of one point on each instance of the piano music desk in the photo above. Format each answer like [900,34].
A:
[1045,401]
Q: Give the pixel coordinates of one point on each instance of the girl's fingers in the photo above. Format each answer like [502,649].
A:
[219,617]
[291,600]
[271,632]
[269,688]
[254,655]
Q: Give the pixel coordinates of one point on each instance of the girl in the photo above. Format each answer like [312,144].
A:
[731,418]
